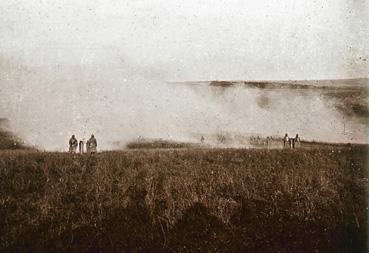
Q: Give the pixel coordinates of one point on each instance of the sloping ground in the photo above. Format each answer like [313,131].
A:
[7,139]
[185,201]
[350,96]
[352,103]
[287,84]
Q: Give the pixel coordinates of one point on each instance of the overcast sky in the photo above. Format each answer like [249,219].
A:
[192,39]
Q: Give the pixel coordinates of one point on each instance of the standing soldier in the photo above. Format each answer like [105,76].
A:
[73,143]
[88,146]
[297,141]
[81,143]
[292,142]
[285,140]
[258,140]
[92,145]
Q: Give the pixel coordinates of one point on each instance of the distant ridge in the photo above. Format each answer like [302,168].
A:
[274,83]
[349,96]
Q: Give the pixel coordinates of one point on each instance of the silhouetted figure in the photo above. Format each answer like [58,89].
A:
[73,143]
[92,145]
[297,142]
[80,146]
[88,146]
[291,143]
[285,140]
[202,139]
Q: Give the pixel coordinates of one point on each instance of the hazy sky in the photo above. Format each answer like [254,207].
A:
[81,67]
[192,39]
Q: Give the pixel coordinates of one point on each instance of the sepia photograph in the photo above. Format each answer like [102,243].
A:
[184,126]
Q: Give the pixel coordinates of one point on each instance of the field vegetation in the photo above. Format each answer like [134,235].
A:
[185,200]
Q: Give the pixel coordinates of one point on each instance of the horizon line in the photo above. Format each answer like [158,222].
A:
[267,80]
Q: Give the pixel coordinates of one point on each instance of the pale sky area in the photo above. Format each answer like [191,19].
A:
[192,39]
[76,66]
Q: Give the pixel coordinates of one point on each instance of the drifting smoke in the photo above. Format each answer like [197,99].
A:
[46,107]
[81,67]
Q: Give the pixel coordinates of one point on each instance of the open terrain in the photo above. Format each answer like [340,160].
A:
[167,196]
[185,200]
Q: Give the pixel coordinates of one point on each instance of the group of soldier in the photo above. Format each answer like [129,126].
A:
[91,145]
[261,141]
[289,142]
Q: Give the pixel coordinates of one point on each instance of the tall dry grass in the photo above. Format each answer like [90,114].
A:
[195,200]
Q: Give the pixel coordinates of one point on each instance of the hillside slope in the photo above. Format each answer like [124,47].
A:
[7,138]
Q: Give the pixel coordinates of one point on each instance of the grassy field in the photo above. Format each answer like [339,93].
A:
[188,200]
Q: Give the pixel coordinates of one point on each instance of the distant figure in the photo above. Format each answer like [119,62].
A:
[285,140]
[88,146]
[80,146]
[297,141]
[292,142]
[73,143]
[92,145]
[267,141]
[202,139]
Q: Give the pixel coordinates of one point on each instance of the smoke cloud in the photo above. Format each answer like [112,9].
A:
[82,67]
[46,108]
